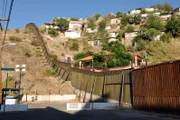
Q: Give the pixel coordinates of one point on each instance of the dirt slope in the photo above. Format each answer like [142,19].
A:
[35,79]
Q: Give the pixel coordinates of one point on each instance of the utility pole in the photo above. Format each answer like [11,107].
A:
[3,40]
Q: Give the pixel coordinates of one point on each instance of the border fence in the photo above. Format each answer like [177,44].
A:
[157,88]
[153,88]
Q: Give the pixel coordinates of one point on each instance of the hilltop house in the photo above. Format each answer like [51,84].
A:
[136,11]
[149,9]
[176,11]
[75,30]
[50,25]
[165,16]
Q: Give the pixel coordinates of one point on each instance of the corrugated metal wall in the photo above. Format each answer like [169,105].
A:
[0,82]
[157,88]
[107,84]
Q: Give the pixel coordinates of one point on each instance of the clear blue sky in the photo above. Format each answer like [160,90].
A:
[40,11]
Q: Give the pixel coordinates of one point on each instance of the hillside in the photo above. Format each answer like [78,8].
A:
[39,76]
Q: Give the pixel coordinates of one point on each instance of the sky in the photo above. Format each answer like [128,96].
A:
[40,11]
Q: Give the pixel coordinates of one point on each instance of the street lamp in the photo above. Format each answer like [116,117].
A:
[20,68]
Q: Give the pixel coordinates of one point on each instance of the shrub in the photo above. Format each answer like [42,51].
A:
[53,32]
[74,47]
[17,30]
[36,42]
[28,53]
[11,78]
[49,72]
[15,39]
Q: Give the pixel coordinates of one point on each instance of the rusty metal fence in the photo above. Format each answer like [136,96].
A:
[109,85]
[157,88]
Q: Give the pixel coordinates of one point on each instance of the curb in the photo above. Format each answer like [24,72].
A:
[156,114]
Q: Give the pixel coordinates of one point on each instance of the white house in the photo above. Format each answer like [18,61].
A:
[157,13]
[95,42]
[75,30]
[115,21]
[176,11]
[50,25]
[89,30]
[73,34]
[108,28]
[137,11]
[144,15]
[75,25]
[165,16]
[149,9]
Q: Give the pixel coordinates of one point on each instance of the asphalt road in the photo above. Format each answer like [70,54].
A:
[57,111]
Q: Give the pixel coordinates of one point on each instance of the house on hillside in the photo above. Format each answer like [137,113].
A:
[136,11]
[115,21]
[150,9]
[144,15]
[128,38]
[113,36]
[165,16]
[157,13]
[74,31]
[89,30]
[95,42]
[50,25]
[176,11]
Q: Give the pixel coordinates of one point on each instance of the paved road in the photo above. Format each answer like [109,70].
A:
[57,111]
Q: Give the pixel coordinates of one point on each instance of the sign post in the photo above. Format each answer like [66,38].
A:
[6,69]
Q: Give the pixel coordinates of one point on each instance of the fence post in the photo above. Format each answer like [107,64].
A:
[86,89]
[103,89]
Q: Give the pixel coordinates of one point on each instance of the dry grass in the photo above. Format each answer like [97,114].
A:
[162,51]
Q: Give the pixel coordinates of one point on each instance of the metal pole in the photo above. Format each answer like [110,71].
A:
[7,80]
[19,84]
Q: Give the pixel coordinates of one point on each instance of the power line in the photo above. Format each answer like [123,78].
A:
[7,24]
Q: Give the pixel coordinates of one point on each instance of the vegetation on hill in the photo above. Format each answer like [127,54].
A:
[151,28]
[113,54]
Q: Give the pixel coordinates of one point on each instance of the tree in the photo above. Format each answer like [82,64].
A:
[91,25]
[97,16]
[53,32]
[130,29]
[137,19]
[102,25]
[124,20]
[154,22]
[166,7]
[173,26]
[74,19]
[61,23]
[118,57]
[119,14]
[74,47]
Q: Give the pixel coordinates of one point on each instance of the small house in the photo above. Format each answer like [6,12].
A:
[176,11]
[128,40]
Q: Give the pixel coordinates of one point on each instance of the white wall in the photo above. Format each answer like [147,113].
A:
[46,98]
[149,9]
[71,26]
[132,12]
[72,35]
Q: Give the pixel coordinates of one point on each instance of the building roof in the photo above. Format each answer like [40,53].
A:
[75,22]
[88,58]
[49,23]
